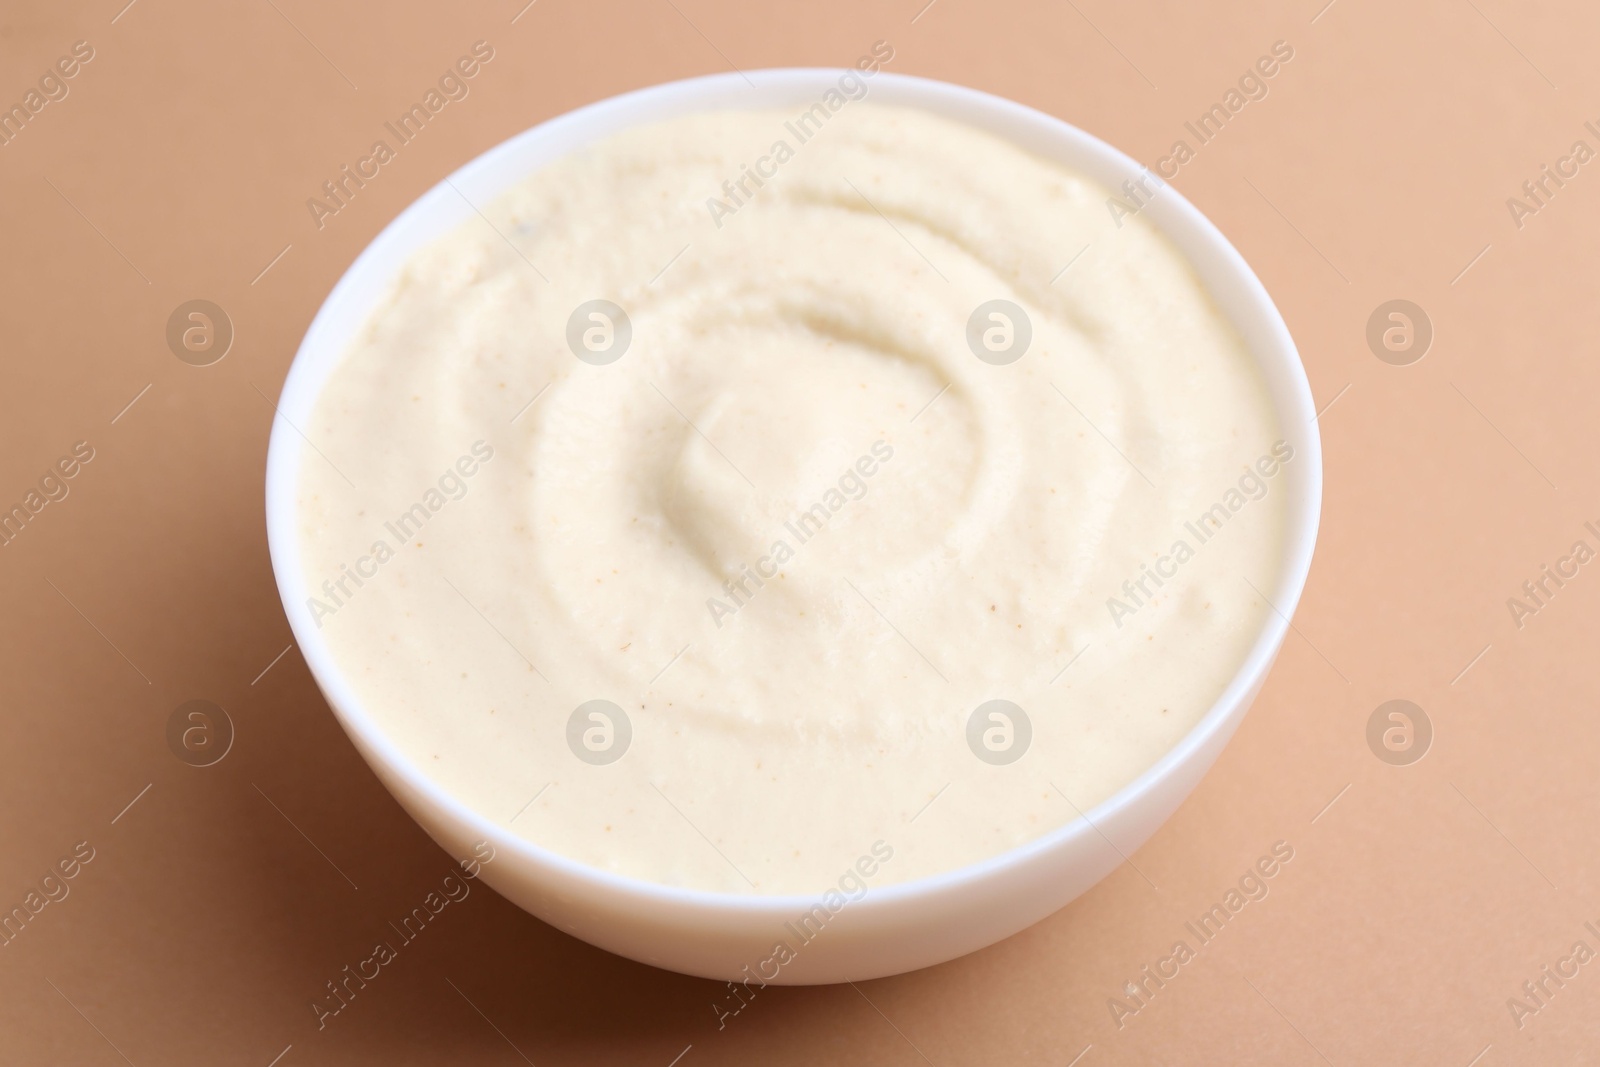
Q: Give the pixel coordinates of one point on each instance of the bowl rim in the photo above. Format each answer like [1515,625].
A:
[315,358]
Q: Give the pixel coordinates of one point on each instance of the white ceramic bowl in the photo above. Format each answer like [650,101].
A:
[898,927]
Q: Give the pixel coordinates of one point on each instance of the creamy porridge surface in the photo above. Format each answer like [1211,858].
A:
[691,511]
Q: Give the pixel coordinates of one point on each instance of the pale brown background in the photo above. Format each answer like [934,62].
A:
[1381,163]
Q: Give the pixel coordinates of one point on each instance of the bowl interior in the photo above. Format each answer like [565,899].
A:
[1231,283]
